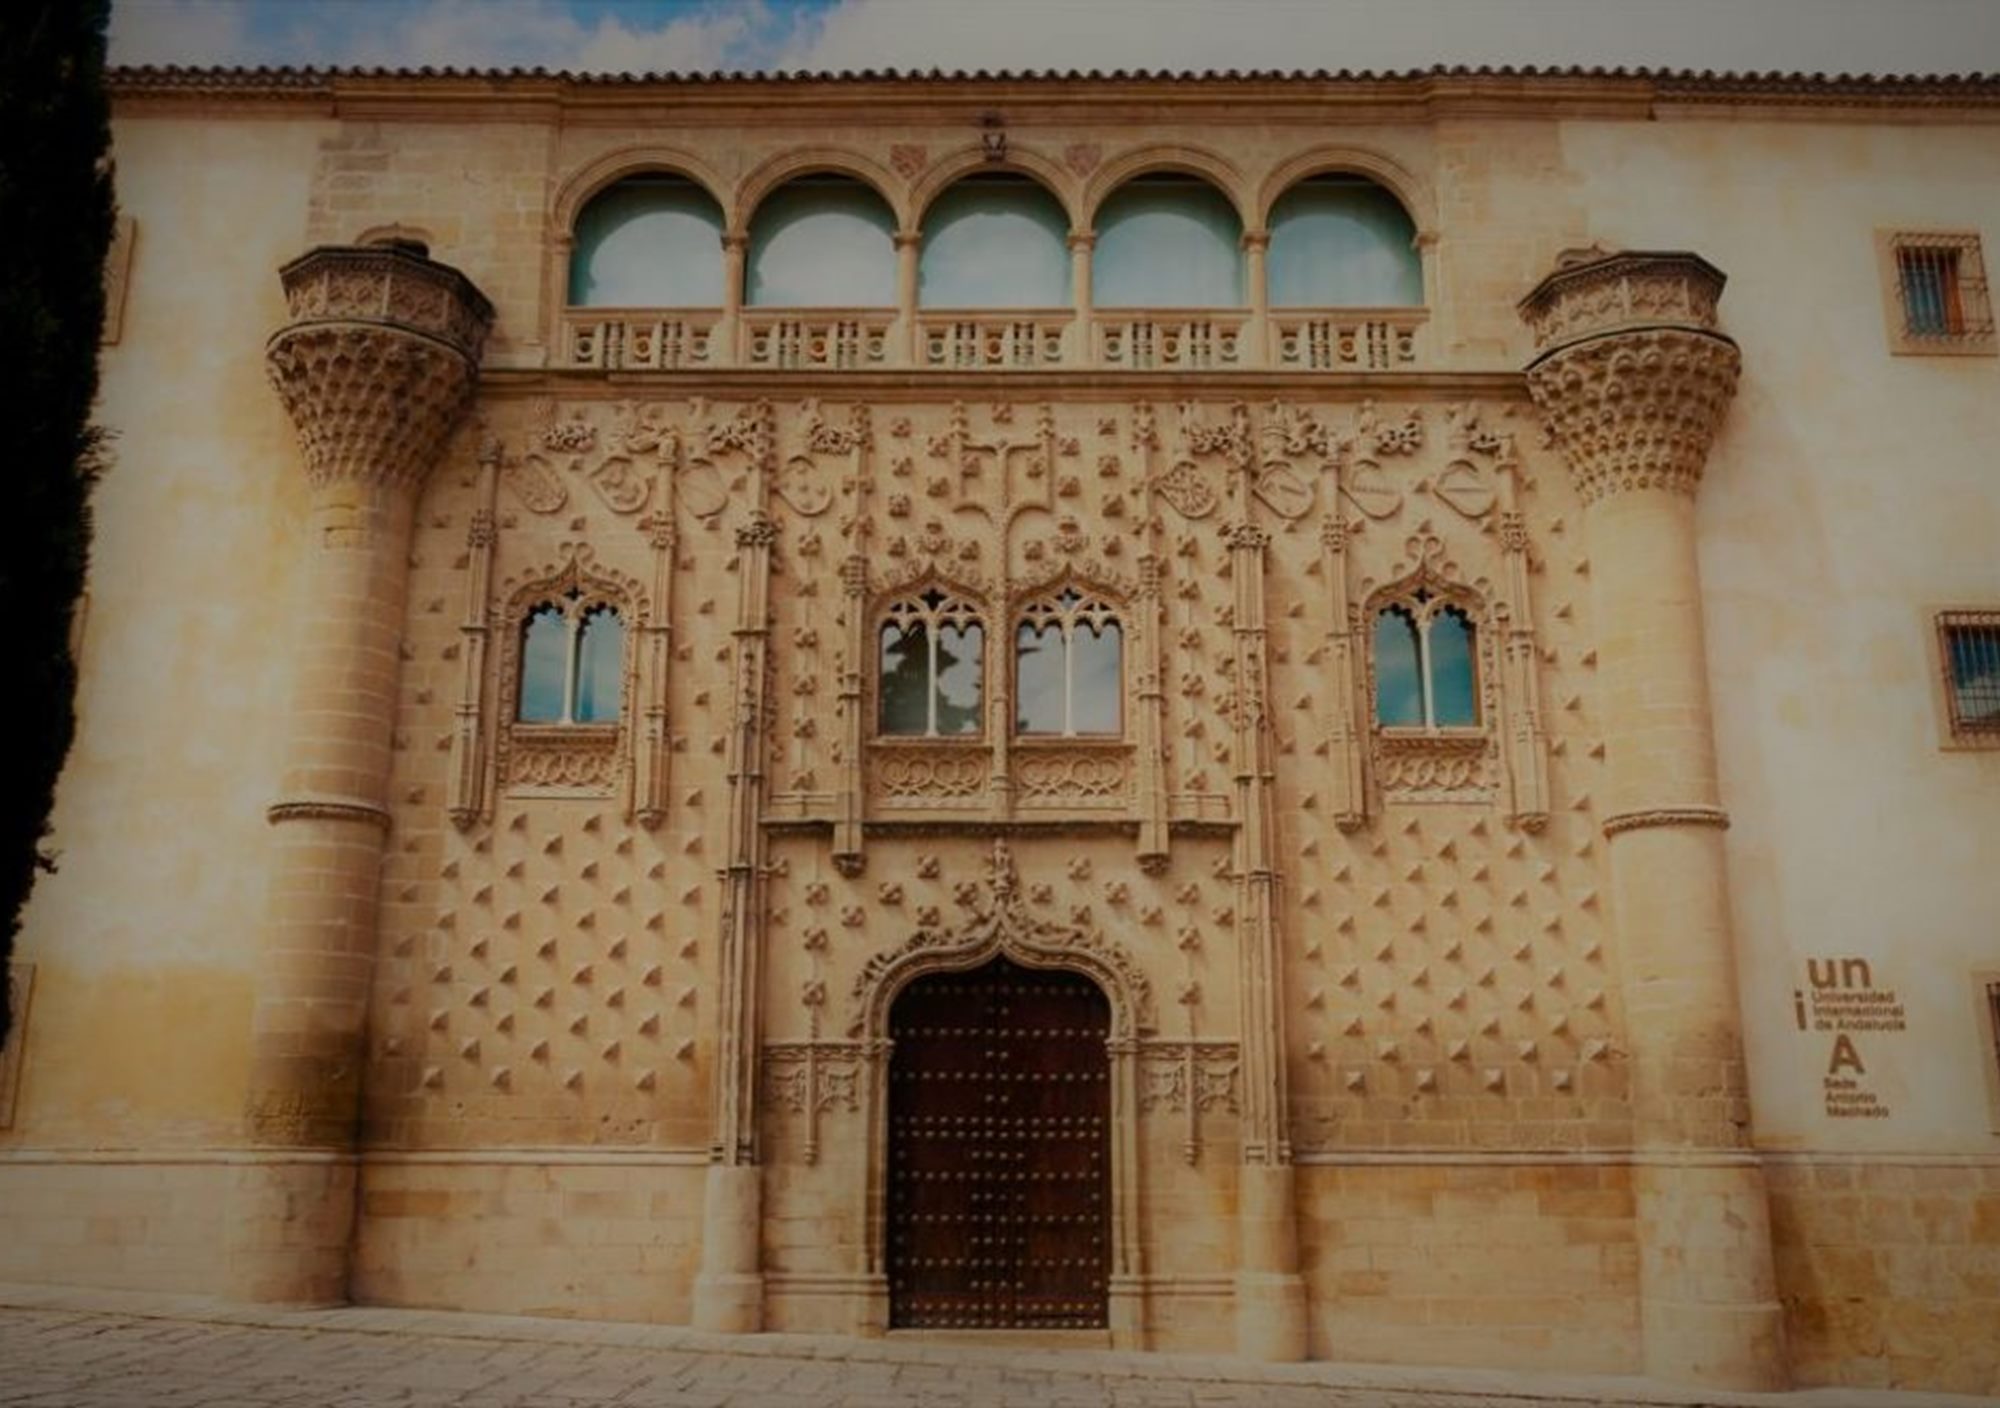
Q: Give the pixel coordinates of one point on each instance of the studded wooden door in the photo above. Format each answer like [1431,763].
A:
[999,1151]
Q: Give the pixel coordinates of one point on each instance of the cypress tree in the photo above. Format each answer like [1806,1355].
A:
[55,225]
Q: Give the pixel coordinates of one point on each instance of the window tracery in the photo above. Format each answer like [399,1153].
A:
[1069,667]
[1426,671]
[931,667]
[572,662]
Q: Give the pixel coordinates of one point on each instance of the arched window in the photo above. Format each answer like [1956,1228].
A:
[931,668]
[648,242]
[1425,670]
[822,242]
[998,241]
[1167,241]
[1342,242]
[572,662]
[1068,668]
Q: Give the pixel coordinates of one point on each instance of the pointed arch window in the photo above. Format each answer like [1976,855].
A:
[1426,673]
[931,667]
[572,662]
[1069,668]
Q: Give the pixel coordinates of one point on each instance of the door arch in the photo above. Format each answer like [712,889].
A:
[999,1151]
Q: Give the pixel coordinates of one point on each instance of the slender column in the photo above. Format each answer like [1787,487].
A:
[1257,337]
[467,800]
[1632,379]
[1082,345]
[375,367]
[909,244]
[730,338]
[1525,742]
[849,857]
[1347,714]
[729,1289]
[654,742]
[1270,1293]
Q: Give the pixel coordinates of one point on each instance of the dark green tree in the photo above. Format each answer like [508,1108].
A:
[55,226]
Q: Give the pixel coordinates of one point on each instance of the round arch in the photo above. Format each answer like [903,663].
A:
[609,169]
[1409,189]
[953,167]
[1217,170]
[814,161]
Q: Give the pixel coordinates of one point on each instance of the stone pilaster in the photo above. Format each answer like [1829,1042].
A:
[376,367]
[1632,378]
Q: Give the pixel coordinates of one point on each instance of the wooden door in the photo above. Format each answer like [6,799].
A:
[999,1151]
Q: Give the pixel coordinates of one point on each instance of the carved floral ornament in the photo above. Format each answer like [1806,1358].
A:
[1000,925]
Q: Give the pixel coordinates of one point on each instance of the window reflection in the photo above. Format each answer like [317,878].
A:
[544,666]
[1167,241]
[1068,668]
[931,668]
[994,242]
[1426,672]
[1342,242]
[822,242]
[572,663]
[648,242]
[1399,688]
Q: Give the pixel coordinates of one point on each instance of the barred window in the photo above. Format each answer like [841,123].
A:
[572,662]
[1969,654]
[1936,292]
[931,667]
[1425,671]
[1068,668]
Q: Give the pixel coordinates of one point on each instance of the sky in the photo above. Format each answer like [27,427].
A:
[1832,36]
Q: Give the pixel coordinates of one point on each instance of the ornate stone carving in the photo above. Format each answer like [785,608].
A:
[1072,775]
[930,775]
[1434,767]
[1635,378]
[562,758]
[378,362]
[1001,925]
[1666,816]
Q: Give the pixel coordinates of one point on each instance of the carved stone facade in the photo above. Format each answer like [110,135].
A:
[1432,1040]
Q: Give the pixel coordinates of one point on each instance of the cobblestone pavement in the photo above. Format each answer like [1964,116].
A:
[82,1349]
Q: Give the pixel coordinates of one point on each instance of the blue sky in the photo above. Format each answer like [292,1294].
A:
[1882,36]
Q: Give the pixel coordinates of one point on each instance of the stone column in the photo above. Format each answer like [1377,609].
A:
[1256,283]
[1632,379]
[909,247]
[376,366]
[732,341]
[1082,340]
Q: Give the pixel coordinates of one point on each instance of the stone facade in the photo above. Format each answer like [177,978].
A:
[1517,1043]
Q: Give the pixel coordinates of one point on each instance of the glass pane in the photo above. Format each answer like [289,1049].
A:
[994,242]
[1341,242]
[905,677]
[822,242]
[1930,290]
[1095,681]
[1167,242]
[1399,693]
[959,668]
[1975,673]
[1038,680]
[544,666]
[654,242]
[1452,695]
[600,666]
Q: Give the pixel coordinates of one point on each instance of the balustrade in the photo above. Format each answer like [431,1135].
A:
[849,339]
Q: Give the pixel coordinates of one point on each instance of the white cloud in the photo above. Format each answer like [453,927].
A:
[1935,36]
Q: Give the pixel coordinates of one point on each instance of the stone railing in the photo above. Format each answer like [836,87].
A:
[651,340]
[1182,339]
[1345,339]
[985,340]
[992,341]
[817,339]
